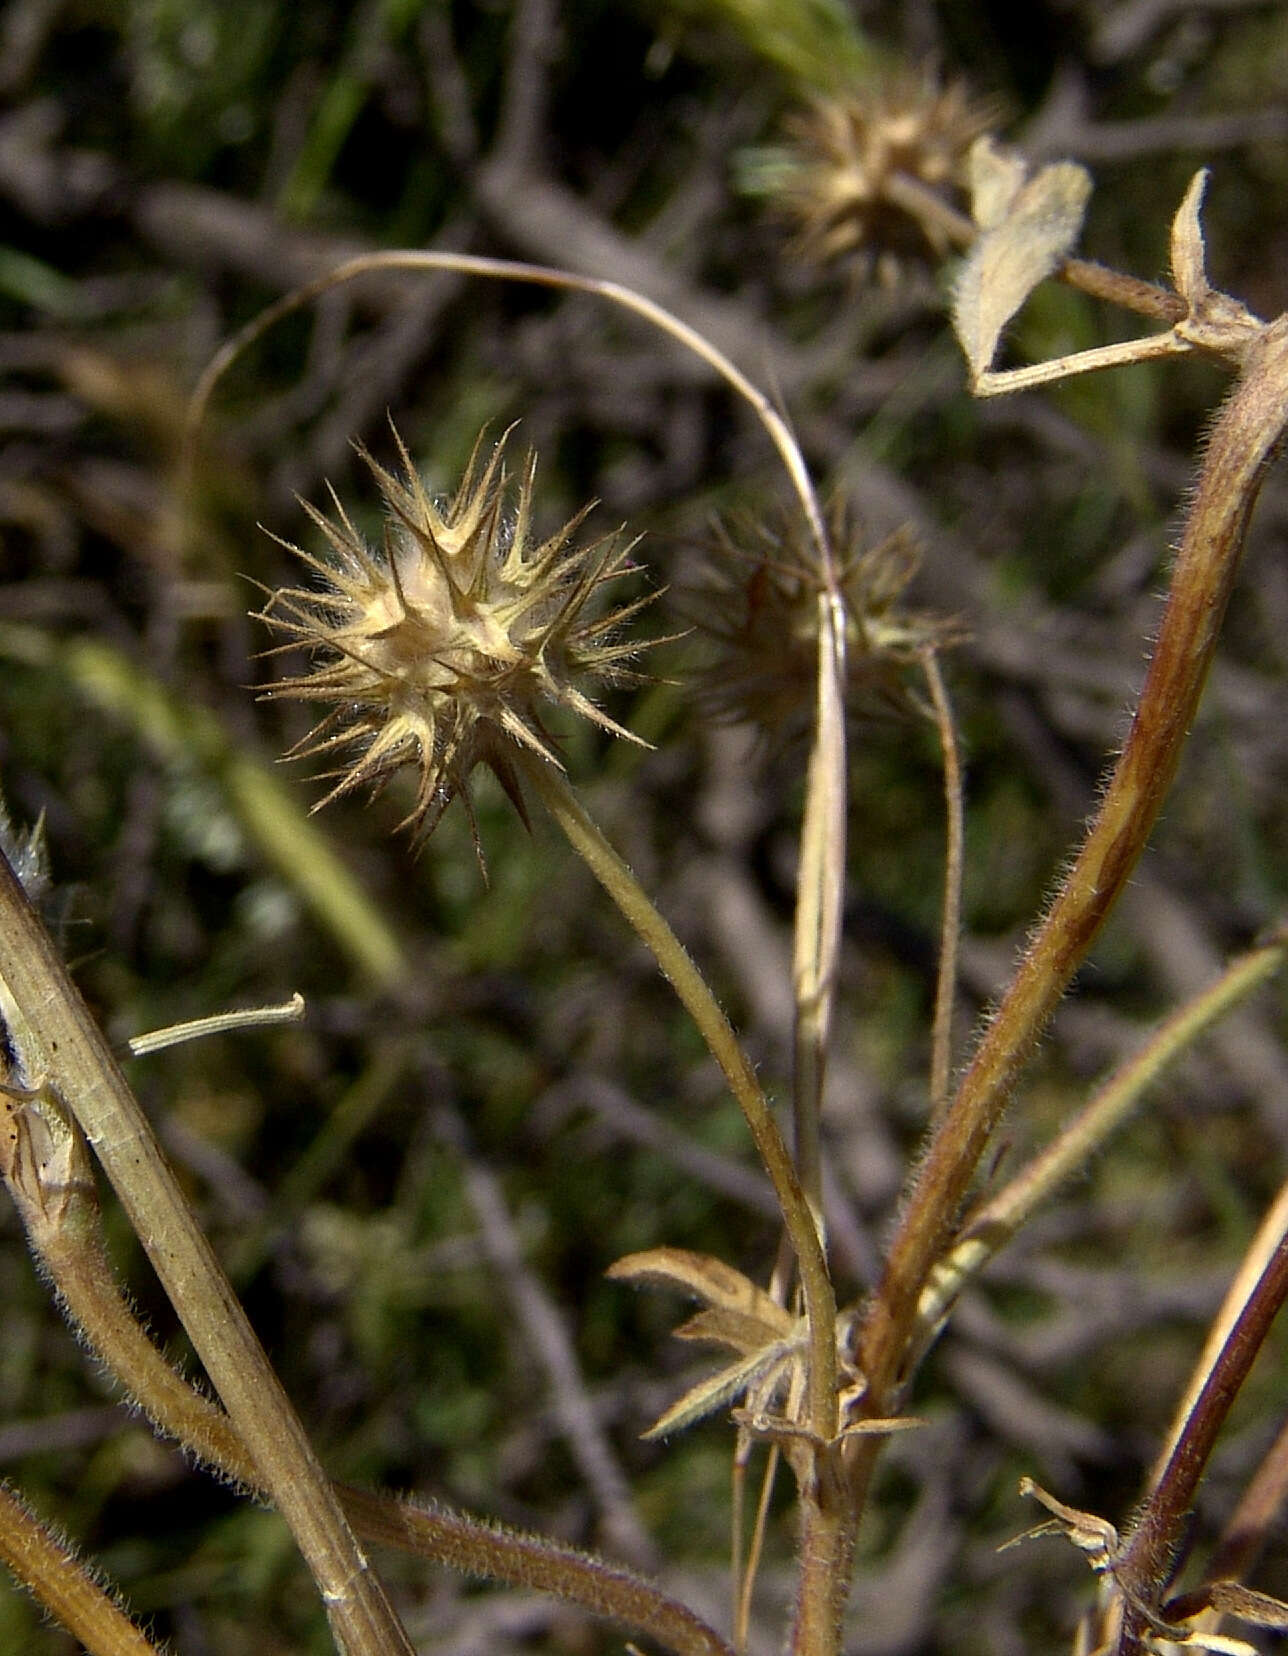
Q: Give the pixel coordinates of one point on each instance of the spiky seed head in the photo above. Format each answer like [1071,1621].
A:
[868,173]
[760,609]
[442,649]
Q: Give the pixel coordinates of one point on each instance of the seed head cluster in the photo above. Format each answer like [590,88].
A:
[871,173]
[761,613]
[443,649]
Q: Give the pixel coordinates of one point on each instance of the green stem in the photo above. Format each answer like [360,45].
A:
[643,918]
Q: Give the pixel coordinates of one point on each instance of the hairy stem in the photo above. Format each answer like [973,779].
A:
[62,1049]
[828,1534]
[59,1208]
[988,1228]
[50,1569]
[1242,443]
[1144,1569]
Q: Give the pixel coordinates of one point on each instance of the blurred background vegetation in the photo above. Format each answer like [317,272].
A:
[494,1096]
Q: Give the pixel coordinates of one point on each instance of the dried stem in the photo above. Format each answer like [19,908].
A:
[63,1049]
[59,1207]
[745,1571]
[507,270]
[820,893]
[1144,1568]
[1239,450]
[950,923]
[1098,281]
[52,1571]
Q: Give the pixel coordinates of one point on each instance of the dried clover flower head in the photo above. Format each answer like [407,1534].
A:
[441,650]
[872,173]
[764,617]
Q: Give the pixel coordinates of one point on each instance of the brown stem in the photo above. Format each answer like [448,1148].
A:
[477,1548]
[828,1534]
[1098,281]
[46,1167]
[1242,443]
[49,1567]
[62,1048]
[1145,1566]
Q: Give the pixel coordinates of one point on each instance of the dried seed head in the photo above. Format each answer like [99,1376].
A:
[873,173]
[441,650]
[761,610]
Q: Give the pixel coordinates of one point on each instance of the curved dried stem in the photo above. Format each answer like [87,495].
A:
[950,923]
[508,270]
[59,1208]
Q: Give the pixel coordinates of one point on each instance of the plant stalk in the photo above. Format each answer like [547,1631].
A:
[46,1167]
[50,1569]
[677,966]
[988,1228]
[1145,1567]
[820,895]
[63,1051]
[1242,443]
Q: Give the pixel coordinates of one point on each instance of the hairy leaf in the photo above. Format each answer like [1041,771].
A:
[1035,226]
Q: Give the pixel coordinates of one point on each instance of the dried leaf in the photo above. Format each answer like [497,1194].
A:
[1234,1599]
[1189,257]
[1092,1535]
[736,1329]
[721,1388]
[1007,262]
[760,1423]
[996,177]
[710,1279]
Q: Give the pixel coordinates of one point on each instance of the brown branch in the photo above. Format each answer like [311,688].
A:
[1242,444]
[1145,1566]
